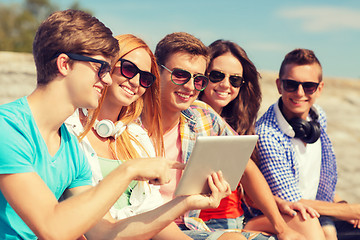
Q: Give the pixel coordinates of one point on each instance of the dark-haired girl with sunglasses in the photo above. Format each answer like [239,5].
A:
[113,135]
[234,92]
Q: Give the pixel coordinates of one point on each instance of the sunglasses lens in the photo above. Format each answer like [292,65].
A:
[290,85]
[180,77]
[200,82]
[310,87]
[128,69]
[236,81]
[146,79]
[216,76]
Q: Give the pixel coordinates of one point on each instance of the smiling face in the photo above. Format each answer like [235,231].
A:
[124,91]
[84,85]
[298,103]
[220,94]
[175,98]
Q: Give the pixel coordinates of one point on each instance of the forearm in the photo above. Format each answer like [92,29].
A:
[80,212]
[34,202]
[142,226]
[258,190]
[339,210]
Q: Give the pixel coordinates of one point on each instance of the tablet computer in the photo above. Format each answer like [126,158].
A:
[230,154]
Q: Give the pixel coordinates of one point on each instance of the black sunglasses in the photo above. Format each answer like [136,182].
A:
[181,77]
[217,76]
[292,86]
[104,68]
[129,70]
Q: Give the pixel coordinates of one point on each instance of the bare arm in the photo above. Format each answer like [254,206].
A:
[342,211]
[34,202]
[152,223]
[291,208]
[258,190]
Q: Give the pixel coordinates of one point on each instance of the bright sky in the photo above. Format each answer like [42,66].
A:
[266,29]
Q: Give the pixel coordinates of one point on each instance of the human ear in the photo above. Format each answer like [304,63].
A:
[320,88]
[278,85]
[62,64]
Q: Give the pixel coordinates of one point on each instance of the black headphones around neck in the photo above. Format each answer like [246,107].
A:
[307,131]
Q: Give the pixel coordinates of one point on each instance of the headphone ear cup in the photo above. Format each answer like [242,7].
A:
[300,127]
[315,132]
[105,128]
[308,132]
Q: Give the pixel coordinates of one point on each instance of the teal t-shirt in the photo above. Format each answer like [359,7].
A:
[22,149]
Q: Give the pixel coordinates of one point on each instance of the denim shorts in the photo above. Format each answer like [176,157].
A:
[326,221]
[201,235]
[226,223]
[204,235]
[221,226]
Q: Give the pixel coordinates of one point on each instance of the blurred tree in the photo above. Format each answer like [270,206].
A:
[19,22]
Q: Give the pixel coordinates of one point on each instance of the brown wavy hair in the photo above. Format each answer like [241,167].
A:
[70,31]
[147,106]
[240,113]
[179,42]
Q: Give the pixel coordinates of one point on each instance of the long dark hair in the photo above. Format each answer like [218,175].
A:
[240,113]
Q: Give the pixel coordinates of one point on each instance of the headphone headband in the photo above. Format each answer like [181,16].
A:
[306,131]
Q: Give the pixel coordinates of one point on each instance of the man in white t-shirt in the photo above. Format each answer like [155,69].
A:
[296,155]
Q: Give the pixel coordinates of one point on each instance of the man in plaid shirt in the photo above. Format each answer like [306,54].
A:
[296,155]
[182,60]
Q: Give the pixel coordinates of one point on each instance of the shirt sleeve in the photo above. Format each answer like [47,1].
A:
[277,167]
[16,151]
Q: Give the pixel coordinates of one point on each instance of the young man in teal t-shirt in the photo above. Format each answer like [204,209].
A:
[41,161]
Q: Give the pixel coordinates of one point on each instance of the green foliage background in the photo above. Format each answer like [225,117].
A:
[19,22]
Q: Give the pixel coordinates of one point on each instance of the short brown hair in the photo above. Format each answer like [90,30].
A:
[299,56]
[70,31]
[179,42]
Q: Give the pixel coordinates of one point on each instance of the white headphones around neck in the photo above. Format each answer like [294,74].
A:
[106,128]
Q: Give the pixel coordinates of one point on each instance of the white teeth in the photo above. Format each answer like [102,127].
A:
[186,96]
[128,90]
[222,93]
[98,90]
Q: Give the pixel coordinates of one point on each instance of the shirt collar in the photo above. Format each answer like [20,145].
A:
[283,124]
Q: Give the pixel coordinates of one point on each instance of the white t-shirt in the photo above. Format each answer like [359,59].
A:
[309,161]
[307,156]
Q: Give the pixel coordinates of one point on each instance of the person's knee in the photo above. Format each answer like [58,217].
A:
[232,236]
[330,232]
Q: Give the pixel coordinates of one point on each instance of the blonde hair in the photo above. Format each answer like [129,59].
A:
[147,106]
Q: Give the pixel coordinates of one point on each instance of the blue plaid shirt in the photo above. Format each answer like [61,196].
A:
[278,164]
